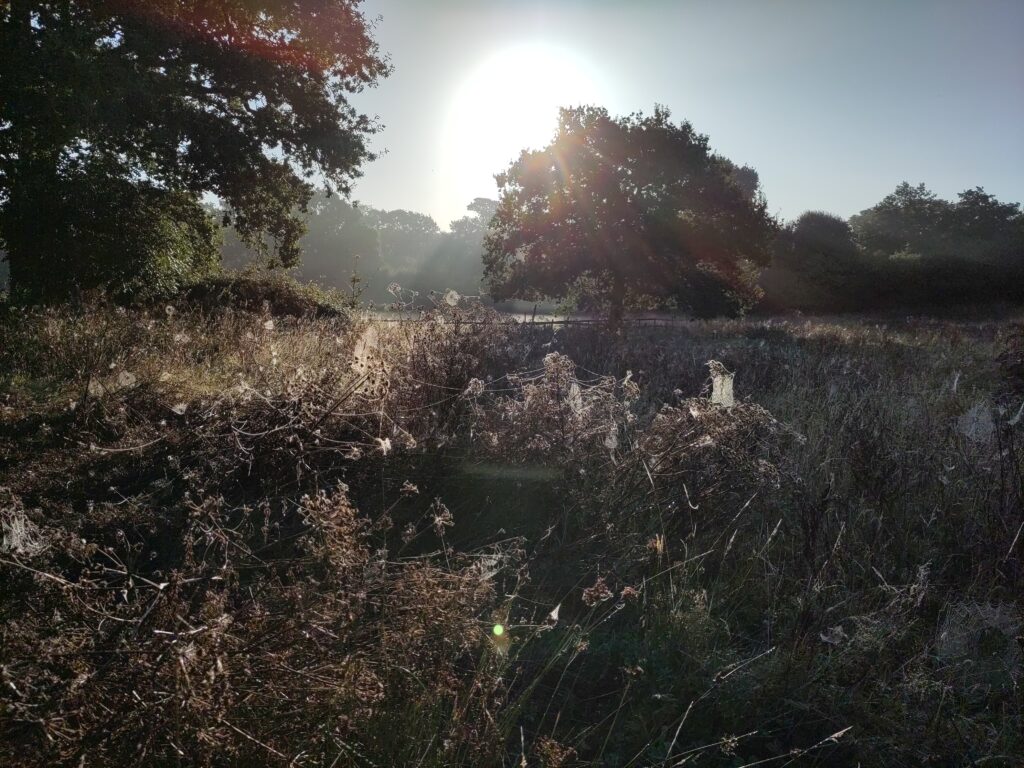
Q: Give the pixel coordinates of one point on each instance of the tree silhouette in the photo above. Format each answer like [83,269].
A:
[463,249]
[912,249]
[636,206]
[245,99]
[910,220]
[473,228]
[985,228]
[817,266]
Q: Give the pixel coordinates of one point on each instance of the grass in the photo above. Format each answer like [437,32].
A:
[232,537]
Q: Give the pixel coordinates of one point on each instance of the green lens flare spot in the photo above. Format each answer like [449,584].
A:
[498,630]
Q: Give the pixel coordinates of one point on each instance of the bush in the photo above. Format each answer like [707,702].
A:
[93,229]
[272,292]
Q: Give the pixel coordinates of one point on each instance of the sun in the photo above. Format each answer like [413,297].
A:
[508,103]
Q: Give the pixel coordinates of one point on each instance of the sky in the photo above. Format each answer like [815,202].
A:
[833,103]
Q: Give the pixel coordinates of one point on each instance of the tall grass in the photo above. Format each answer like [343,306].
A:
[232,538]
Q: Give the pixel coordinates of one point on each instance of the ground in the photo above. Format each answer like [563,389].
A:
[235,538]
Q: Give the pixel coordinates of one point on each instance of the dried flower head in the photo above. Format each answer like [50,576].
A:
[598,593]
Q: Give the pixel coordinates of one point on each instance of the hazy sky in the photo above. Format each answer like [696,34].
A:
[834,103]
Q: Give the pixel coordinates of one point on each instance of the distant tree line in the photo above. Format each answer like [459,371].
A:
[368,250]
[912,250]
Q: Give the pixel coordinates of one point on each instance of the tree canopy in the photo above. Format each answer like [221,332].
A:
[911,250]
[913,220]
[635,206]
[243,99]
[817,266]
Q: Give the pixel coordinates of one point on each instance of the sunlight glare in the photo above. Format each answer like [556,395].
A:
[508,103]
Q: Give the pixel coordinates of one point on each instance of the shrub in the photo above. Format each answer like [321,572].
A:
[133,240]
[272,292]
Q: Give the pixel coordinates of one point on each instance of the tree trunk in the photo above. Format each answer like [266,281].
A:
[18,36]
[617,300]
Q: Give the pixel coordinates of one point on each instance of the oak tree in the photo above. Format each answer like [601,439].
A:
[632,207]
[247,100]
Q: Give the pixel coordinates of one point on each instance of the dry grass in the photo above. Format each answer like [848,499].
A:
[235,538]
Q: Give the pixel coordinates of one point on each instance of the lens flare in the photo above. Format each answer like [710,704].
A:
[498,630]
[508,102]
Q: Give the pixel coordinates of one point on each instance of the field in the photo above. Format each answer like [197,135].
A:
[242,538]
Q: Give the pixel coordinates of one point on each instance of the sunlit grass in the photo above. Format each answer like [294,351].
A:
[432,552]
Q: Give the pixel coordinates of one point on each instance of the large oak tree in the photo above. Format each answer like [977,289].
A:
[161,102]
[636,206]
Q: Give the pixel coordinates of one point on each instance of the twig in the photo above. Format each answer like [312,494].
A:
[94,447]
[60,580]
[253,739]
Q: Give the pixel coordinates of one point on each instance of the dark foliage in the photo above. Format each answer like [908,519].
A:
[929,252]
[911,251]
[185,100]
[817,266]
[264,293]
[635,204]
[89,228]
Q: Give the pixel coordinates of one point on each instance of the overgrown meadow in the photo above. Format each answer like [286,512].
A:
[235,536]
